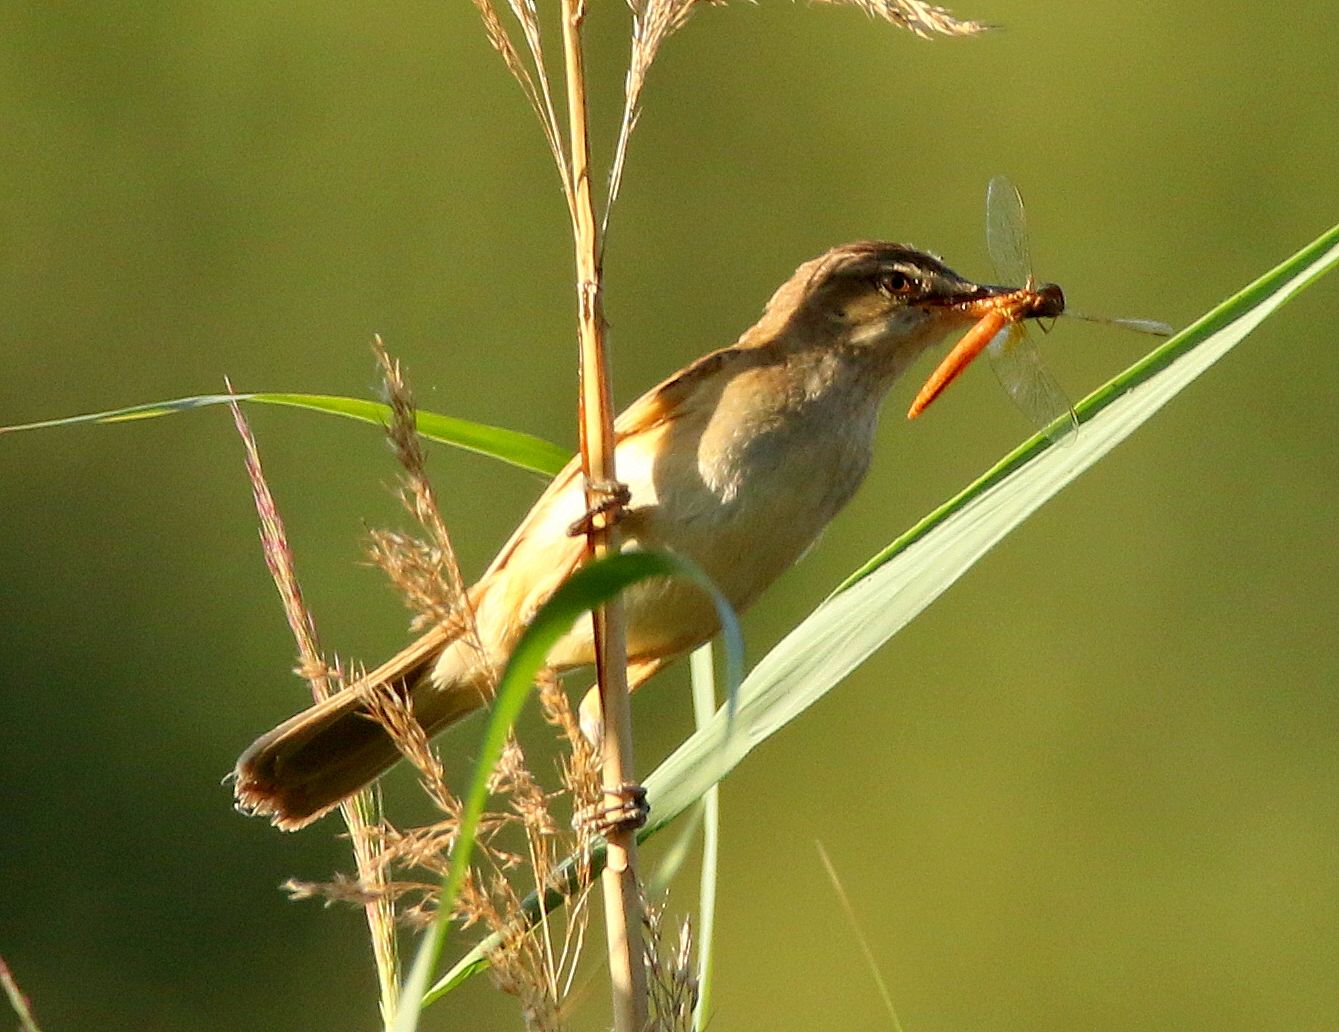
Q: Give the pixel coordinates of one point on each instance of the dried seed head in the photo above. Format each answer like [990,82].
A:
[671,980]
[922,19]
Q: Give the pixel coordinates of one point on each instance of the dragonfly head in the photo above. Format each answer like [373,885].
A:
[1050,302]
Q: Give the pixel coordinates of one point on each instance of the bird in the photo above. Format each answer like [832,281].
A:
[737,462]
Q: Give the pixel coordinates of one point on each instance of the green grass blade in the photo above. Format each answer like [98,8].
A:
[900,581]
[675,855]
[704,705]
[523,450]
[588,588]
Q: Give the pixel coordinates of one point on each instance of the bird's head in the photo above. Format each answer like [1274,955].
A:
[889,302]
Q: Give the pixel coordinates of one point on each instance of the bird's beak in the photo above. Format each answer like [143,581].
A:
[976,300]
[993,309]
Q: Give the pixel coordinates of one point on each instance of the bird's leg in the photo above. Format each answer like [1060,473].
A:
[623,805]
[610,504]
[589,713]
[628,809]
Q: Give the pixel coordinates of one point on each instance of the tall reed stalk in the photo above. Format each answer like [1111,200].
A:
[622,894]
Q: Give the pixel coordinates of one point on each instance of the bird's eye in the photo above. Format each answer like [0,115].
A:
[895,282]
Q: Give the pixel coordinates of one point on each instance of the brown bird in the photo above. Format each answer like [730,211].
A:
[737,462]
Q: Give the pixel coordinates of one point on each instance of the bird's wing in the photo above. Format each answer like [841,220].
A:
[541,553]
[669,400]
[673,398]
[556,499]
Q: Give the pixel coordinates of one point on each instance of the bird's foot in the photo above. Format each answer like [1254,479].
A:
[609,505]
[624,808]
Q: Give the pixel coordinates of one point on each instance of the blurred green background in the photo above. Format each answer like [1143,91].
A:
[1095,787]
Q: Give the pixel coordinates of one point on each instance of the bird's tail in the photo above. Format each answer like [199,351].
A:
[315,760]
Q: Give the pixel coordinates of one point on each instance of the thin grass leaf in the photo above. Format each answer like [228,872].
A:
[524,450]
[704,703]
[860,936]
[895,585]
[587,589]
[540,97]
[22,1009]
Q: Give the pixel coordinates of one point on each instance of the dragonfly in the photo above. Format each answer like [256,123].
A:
[1003,334]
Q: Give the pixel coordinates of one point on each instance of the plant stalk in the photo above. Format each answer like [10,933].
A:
[622,897]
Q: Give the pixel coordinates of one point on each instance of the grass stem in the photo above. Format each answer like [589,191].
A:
[623,909]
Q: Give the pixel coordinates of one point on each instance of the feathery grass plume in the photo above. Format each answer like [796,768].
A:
[535,968]
[922,19]
[519,847]
[671,980]
[426,573]
[361,813]
[415,568]
[520,842]
[280,562]
[537,962]
[539,96]
[416,491]
[537,965]
[547,842]
[27,1023]
[395,713]
[653,22]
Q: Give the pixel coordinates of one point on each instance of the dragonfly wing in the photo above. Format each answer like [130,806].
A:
[1006,232]
[1156,327]
[1018,366]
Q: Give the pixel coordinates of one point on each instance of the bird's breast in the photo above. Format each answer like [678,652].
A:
[743,495]
[741,484]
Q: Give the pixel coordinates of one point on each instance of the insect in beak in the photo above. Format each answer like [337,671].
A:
[1000,329]
[999,309]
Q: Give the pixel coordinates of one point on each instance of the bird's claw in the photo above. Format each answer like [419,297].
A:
[610,500]
[629,811]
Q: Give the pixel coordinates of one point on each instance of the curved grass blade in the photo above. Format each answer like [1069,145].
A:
[876,601]
[511,446]
[588,588]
